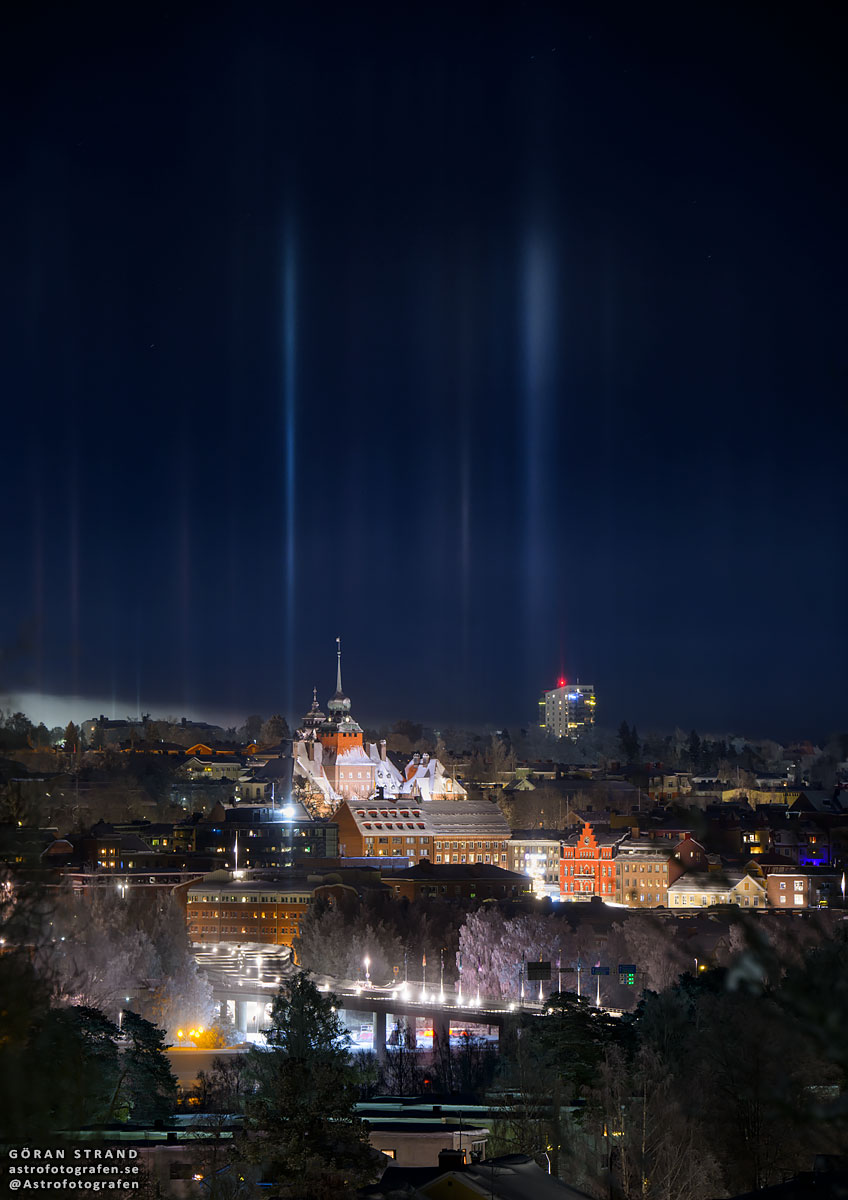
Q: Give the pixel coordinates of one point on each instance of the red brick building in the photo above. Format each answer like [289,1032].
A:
[587,866]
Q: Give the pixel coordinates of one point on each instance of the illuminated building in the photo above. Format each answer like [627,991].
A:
[329,755]
[569,710]
[587,867]
[537,853]
[451,831]
[223,909]
[643,871]
[332,764]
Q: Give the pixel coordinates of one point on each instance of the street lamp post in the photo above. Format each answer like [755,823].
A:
[367,962]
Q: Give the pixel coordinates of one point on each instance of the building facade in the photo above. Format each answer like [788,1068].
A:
[643,871]
[587,866]
[537,854]
[569,710]
[222,909]
[460,831]
[695,890]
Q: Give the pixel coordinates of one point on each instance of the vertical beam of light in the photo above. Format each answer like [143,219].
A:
[538,350]
[38,578]
[239,403]
[137,662]
[289,452]
[466,398]
[184,569]
[74,572]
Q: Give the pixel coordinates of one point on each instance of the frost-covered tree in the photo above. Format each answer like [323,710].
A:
[301,1116]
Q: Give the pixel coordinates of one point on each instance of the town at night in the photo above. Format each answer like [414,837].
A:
[423,637]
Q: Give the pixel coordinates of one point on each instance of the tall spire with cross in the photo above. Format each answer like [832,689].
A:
[338,702]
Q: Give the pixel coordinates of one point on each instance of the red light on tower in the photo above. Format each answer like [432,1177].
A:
[561,681]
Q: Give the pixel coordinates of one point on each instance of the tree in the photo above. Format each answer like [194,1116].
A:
[109,947]
[16,731]
[251,730]
[301,1120]
[628,741]
[274,730]
[147,1084]
[222,1089]
[694,750]
[84,1041]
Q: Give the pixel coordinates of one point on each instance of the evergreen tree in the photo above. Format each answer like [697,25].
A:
[628,741]
[301,1119]
[275,729]
[148,1084]
[694,750]
[84,1041]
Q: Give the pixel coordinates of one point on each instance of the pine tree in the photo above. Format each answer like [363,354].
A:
[148,1084]
[302,1125]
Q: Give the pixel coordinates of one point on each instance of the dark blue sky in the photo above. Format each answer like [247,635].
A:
[505,343]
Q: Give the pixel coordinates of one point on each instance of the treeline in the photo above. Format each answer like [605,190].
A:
[718,1085]
[395,935]
[490,944]
[63,1066]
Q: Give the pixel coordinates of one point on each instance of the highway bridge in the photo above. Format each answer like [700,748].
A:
[247,977]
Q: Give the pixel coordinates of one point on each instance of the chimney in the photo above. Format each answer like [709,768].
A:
[383,749]
[425,758]
[450,1159]
[415,758]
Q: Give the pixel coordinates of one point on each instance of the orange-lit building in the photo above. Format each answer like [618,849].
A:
[587,866]
[450,831]
[222,909]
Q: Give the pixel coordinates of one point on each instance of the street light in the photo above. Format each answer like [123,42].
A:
[367,962]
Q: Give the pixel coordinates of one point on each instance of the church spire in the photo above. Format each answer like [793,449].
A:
[338,702]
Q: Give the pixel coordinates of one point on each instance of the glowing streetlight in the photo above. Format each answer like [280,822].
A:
[367,962]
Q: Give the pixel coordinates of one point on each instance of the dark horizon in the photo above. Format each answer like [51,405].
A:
[507,344]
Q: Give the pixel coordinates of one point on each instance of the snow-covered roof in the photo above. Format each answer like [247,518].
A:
[354,755]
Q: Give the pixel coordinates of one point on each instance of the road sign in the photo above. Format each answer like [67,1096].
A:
[626,968]
[600,970]
[538,971]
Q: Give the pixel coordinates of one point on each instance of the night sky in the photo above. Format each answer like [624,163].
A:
[505,342]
